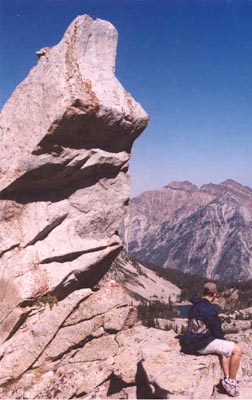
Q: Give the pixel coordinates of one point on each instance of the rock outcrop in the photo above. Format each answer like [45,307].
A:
[89,345]
[206,231]
[66,136]
[80,348]
[66,348]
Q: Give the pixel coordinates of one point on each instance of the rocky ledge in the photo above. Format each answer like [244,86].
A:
[86,347]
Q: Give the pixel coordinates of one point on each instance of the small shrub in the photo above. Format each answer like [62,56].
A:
[48,299]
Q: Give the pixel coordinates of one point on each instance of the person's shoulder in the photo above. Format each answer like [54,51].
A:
[213,307]
[197,305]
[195,300]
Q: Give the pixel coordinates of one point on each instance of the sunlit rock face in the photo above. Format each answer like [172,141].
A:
[66,135]
[85,347]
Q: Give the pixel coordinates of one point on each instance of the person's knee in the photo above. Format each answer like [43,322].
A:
[237,350]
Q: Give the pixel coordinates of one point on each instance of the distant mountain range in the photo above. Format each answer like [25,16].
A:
[206,230]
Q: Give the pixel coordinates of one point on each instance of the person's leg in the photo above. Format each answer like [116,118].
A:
[235,361]
[231,355]
[230,367]
[225,365]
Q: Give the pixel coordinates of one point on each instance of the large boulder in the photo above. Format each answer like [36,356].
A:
[66,136]
[66,347]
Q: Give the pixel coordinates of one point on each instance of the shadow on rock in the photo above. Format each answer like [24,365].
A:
[116,386]
[144,389]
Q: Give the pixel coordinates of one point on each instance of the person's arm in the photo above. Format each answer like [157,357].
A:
[213,323]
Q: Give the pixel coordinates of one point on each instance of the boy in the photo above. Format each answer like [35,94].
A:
[205,336]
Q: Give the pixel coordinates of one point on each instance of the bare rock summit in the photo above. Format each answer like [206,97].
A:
[65,140]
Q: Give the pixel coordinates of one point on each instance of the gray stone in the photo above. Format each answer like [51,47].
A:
[120,318]
[66,137]
[22,350]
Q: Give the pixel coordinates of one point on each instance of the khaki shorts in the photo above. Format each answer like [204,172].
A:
[218,346]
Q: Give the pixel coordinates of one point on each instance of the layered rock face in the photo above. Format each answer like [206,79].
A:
[66,135]
[204,230]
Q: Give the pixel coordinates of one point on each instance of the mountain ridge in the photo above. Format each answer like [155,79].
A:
[205,230]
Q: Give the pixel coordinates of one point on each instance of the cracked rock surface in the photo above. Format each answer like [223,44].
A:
[65,138]
[67,338]
[82,347]
[89,345]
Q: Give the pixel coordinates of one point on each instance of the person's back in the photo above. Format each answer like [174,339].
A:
[205,336]
[204,325]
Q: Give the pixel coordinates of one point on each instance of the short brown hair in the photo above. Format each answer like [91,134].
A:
[209,288]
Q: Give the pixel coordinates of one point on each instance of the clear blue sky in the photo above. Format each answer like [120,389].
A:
[188,62]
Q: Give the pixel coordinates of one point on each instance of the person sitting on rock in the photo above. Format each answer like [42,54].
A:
[204,335]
